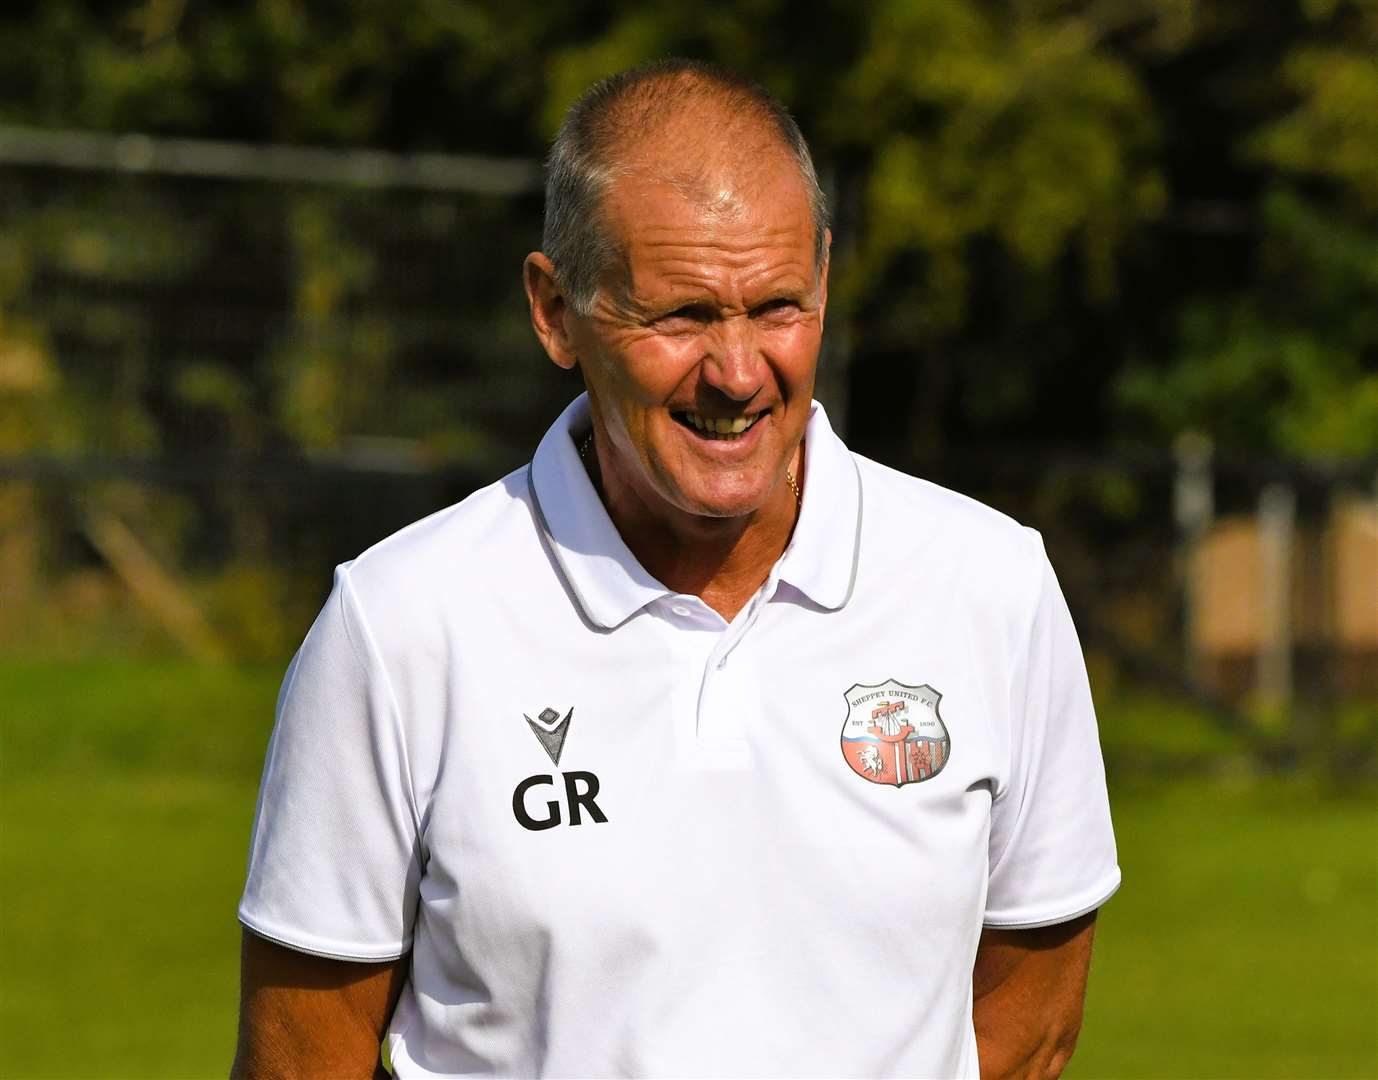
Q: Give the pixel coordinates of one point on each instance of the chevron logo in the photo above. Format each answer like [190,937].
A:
[550,730]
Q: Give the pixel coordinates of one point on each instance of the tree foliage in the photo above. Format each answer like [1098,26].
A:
[1284,358]
[1089,220]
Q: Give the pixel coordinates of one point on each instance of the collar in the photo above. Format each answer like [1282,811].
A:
[821,560]
[611,585]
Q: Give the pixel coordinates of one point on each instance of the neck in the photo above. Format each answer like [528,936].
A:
[723,561]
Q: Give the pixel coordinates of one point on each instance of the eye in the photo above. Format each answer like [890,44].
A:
[781,309]
[684,318]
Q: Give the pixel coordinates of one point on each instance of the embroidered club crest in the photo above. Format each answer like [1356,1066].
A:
[893,733]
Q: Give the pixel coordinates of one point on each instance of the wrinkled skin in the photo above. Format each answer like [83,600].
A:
[716,307]
[720,313]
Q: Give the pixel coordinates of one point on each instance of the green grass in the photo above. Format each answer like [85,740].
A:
[1138,727]
[120,937]
[126,795]
[1244,942]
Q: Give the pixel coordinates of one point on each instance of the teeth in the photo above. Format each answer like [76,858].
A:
[730,427]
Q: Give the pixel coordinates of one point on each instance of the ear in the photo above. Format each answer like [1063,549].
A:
[549,309]
[823,276]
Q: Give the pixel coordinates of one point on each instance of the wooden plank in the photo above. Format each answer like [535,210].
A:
[152,586]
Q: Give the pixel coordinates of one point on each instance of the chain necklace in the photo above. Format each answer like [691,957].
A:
[794,487]
[587,445]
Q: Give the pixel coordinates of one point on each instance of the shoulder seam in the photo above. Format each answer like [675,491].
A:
[375,657]
[388,540]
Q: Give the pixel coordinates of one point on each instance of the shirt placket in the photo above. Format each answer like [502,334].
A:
[729,693]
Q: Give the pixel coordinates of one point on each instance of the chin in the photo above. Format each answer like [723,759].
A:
[722,504]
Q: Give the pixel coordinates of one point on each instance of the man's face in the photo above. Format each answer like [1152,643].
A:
[712,320]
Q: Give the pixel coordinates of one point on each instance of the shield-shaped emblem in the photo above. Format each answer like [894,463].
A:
[893,733]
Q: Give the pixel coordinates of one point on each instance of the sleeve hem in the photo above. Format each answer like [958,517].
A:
[327,948]
[1032,920]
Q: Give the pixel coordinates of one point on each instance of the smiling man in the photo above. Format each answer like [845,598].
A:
[701,746]
[699,342]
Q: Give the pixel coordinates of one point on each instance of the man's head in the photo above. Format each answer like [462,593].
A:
[613,115]
[685,273]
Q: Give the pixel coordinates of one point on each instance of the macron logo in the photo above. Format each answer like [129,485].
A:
[551,731]
[580,787]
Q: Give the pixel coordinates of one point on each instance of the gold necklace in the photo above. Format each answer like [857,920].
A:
[794,487]
[587,445]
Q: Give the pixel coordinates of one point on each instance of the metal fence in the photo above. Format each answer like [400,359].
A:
[225,369]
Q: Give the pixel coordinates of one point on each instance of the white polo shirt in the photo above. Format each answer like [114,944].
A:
[622,837]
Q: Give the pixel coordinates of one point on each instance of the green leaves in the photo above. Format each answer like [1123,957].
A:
[1019,186]
[1022,129]
[1332,132]
[1286,363]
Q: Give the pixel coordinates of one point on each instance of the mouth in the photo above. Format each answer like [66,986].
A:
[718,428]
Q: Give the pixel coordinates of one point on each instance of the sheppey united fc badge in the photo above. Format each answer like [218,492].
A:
[893,733]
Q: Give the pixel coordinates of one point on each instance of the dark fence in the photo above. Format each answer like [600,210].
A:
[225,369]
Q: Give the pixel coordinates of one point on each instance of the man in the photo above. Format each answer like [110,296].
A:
[701,747]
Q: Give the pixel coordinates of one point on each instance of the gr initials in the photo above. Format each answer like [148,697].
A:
[576,799]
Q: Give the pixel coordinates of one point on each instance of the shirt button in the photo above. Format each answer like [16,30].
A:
[680,609]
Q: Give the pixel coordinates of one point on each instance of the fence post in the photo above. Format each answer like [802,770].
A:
[1277,513]
[1193,505]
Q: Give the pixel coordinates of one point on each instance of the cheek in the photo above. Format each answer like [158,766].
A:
[793,352]
[656,367]
[632,384]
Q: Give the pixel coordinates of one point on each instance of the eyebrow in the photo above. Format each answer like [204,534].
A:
[791,292]
[700,306]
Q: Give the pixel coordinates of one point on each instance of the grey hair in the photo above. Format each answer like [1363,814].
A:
[581,164]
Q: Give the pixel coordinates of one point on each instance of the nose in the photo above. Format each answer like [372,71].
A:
[733,363]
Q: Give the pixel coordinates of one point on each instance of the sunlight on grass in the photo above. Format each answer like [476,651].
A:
[1242,943]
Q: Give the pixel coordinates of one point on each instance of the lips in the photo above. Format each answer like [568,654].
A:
[726,428]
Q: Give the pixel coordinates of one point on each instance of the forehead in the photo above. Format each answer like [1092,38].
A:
[752,213]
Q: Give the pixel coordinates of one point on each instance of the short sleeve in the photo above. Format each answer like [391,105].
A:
[334,860]
[1052,849]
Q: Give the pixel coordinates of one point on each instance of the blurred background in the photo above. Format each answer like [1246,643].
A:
[1110,266]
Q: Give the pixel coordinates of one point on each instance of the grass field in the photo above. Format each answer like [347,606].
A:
[126,795]
[1244,942]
